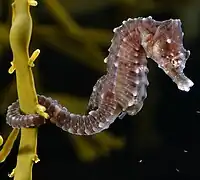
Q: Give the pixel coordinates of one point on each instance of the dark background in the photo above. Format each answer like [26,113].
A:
[161,142]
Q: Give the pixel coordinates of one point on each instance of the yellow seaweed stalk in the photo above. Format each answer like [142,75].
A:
[20,35]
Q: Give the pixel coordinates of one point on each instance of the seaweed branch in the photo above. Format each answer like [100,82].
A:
[20,35]
[5,151]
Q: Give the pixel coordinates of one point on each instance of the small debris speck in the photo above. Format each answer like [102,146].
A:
[177,170]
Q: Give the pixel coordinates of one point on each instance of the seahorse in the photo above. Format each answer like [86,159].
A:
[123,89]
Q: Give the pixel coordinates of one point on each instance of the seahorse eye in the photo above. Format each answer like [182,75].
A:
[176,63]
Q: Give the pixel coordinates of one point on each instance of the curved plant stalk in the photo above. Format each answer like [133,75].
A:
[93,147]
[1,141]
[5,151]
[20,35]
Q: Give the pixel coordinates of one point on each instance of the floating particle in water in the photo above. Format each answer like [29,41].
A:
[140,161]
[185,151]
[177,170]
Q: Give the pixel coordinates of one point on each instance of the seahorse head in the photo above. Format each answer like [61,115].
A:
[167,50]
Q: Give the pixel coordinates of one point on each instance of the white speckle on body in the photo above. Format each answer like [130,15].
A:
[169,41]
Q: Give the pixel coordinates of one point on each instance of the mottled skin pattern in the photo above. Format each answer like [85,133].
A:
[123,89]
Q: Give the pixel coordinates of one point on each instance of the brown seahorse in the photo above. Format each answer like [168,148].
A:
[123,88]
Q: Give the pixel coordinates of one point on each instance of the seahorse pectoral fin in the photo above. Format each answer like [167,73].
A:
[12,68]
[33,57]
[122,115]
